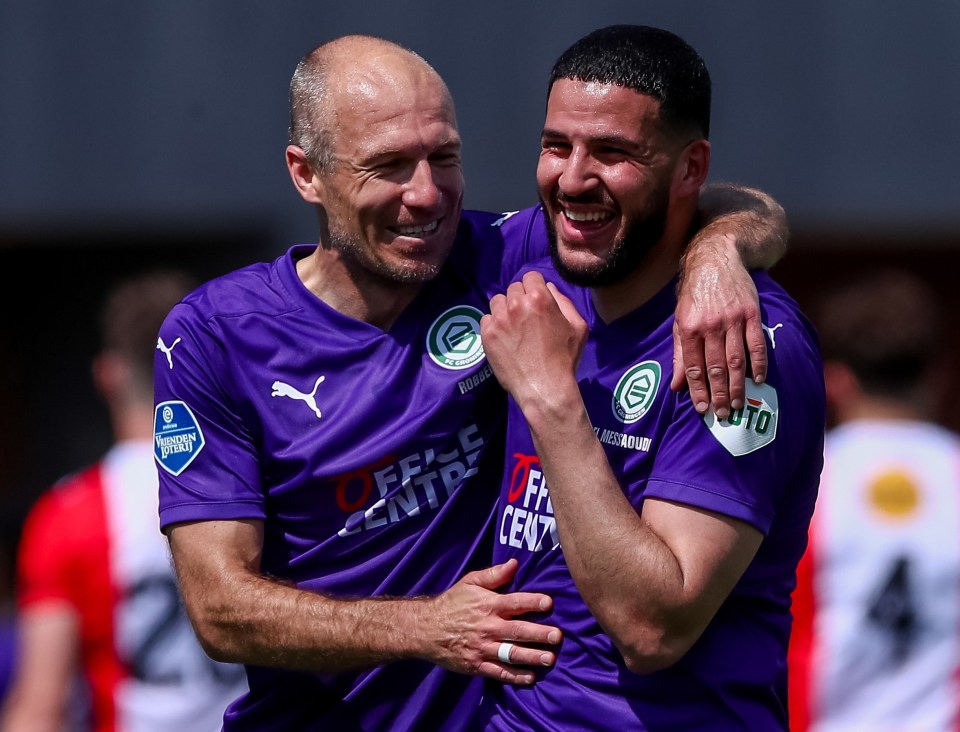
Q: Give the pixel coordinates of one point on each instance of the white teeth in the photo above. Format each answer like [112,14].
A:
[417,230]
[593,216]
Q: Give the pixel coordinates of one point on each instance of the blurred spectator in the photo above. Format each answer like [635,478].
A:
[876,641]
[96,593]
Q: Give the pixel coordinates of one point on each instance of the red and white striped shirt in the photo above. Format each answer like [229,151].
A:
[93,542]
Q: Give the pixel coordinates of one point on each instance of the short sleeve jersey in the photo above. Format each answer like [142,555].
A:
[760,466]
[372,457]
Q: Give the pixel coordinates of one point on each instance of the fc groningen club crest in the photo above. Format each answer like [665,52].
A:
[636,391]
[453,340]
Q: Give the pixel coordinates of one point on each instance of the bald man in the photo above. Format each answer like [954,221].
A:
[328,432]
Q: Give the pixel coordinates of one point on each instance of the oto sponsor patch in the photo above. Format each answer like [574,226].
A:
[453,340]
[751,427]
[636,391]
[177,438]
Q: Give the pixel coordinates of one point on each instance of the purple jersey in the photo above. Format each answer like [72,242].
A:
[359,449]
[760,466]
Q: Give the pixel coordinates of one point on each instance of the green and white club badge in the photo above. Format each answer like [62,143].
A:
[636,391]
[453,340]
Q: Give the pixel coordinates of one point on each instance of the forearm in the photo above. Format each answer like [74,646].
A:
[630,579]
[30,715]
[741,222]
[652,579]
[258,621]
[242,616]
[47,663]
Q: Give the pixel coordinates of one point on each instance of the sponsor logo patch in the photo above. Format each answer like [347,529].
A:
[453,340]
[636,391]
[527,520]
[750,428]
[177,438]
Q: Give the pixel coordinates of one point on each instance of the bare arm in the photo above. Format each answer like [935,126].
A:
[653,580]
[717,310]
[242,616]
[47,663]
[755,219]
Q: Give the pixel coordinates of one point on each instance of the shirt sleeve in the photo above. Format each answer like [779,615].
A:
[207,461]
[694,468]
[742,466]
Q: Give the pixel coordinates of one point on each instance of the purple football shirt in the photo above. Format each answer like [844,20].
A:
[760,466]
[372,457]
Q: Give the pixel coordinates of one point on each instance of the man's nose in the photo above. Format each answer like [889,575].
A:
[421,190]
[577,175]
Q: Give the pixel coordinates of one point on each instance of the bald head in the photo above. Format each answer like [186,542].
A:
[342,72]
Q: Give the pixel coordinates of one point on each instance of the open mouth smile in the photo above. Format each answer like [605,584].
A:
[416,230]
[580,217]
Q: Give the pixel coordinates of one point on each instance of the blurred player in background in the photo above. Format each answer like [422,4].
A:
[876,640]
[97,596]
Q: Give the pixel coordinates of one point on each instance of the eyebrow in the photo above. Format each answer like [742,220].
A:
[451,145]
[617,140]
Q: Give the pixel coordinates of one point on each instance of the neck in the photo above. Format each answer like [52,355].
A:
[353,291]
[133,420]
[657,269]
[879,408]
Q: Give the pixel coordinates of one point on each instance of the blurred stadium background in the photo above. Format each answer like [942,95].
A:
[133,134]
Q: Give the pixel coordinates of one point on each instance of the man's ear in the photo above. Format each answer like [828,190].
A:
[303,175]
[692,169]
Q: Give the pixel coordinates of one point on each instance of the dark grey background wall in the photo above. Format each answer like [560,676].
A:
[134,133]
[116,113]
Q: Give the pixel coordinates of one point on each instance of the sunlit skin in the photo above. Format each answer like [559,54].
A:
[607,168]
[391,205]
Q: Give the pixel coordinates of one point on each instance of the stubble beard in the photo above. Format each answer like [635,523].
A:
[409,272]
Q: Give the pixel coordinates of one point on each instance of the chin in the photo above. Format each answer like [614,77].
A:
[412,273]
[582,260]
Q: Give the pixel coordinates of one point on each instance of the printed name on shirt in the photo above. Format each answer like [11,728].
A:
[471,382]
[619,439]
[751,427]
[177,437]
[421,481]
[528,521]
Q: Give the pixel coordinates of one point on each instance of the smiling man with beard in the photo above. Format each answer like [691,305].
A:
[668,540]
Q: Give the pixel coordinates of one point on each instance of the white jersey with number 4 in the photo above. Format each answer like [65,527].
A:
[877,632]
